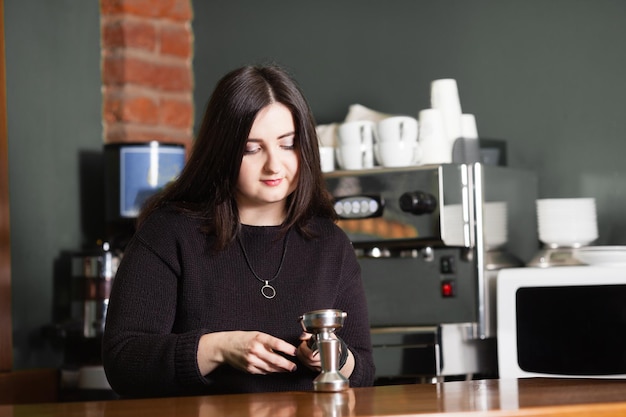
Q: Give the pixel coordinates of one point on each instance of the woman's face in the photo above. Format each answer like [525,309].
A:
[269,169]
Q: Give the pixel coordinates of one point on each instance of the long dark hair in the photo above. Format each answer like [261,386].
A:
[206,186]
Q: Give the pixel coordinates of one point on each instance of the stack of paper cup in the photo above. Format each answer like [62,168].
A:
[442,124]
[567,222]
[444,96]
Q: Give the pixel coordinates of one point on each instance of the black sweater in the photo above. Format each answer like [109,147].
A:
[170,289]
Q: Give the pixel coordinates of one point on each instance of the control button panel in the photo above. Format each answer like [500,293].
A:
[359,207]
[447,265]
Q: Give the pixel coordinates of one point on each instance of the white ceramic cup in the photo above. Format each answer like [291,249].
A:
[357,132]
[354,156]
[327,158]
[392,154]
[397,128]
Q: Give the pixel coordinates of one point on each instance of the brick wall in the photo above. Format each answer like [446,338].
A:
[147,78]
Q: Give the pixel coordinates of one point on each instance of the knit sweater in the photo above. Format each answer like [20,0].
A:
[171,288]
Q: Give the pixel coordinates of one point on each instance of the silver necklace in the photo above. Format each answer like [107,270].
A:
[267,290]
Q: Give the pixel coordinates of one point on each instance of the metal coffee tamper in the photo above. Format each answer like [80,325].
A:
[322,324]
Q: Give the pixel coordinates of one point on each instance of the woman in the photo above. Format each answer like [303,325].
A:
[225,259]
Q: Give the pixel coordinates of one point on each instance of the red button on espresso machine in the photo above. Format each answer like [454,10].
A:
[447,288]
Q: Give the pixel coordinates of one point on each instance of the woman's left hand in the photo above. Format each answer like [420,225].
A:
[307,356]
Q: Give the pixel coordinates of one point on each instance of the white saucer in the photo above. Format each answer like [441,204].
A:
[602,255]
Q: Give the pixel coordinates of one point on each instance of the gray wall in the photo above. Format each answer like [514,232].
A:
[54,125]
[547,76]
[544,75]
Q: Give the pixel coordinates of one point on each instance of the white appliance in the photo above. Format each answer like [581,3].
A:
[567,321]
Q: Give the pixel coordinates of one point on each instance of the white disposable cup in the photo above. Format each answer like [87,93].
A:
[355,156]
[436,149]
[444,96]
[392,154]
[327,158]
[397,128]
[468,126]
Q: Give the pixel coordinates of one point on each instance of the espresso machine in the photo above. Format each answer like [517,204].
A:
[122,177]
[430,242]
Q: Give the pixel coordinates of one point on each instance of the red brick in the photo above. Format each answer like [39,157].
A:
[119,70]
[141,35]
[140,71]
[109,7]
[113,70]
[112,108]
[174,77]
[176,40]
[176,113]
[179,10]
[112,35]
[140,110]
[119,107]
[126,133]
[136,34]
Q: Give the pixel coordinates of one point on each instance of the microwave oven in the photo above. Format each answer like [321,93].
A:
[566,321]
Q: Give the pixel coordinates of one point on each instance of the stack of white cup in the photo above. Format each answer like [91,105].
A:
[567,222]
[396,142]
[355,148]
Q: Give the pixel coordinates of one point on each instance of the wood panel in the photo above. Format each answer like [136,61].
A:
[30,386]
[497,398]
[6,328]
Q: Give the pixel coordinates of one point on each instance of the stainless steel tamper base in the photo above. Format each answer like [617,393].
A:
[330,382]
[330,379]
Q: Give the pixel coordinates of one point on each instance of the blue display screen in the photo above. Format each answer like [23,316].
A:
[144,171]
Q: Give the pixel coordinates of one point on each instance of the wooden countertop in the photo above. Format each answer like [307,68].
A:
[512,397]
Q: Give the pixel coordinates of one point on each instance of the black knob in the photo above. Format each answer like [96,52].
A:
[418,202]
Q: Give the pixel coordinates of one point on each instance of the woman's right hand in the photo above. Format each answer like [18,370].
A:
[252,352]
